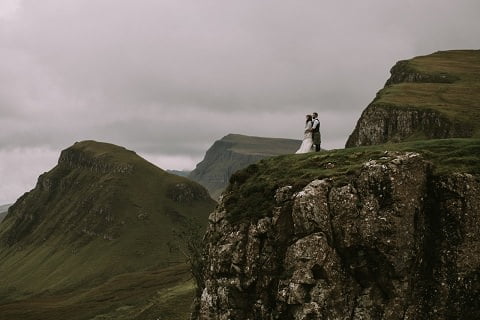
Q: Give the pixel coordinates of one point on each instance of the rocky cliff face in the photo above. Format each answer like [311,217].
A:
[429,97]
[394,240]
[234,152]
[384,123]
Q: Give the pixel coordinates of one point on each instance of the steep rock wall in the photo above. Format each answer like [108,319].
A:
[395,242]
[428,97]
[382,123]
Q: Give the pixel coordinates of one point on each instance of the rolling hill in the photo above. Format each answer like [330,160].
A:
[98,224]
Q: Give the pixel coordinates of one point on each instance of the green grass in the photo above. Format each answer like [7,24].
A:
[251,191]
[459,100]
[461,63]
[86,223]
[157,294]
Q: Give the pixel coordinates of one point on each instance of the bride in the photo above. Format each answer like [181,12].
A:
[307,142]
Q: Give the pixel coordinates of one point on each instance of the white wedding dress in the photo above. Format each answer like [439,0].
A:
[307,142]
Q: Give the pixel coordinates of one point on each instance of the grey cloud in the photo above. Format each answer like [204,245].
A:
[257,54]
[166,78]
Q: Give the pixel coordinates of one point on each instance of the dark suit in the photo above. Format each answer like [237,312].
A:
[317,139]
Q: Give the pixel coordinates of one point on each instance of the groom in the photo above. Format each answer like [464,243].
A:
[316,131]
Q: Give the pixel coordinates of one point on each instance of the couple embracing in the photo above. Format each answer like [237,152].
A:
[312,134]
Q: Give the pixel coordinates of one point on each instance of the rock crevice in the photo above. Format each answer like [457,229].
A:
[394,242]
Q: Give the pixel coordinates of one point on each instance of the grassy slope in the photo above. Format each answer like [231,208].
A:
[253,188]
[459,101]
[4,211]
[57,256]
[166,294]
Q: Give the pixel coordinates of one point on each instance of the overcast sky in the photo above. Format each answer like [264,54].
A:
[166,78]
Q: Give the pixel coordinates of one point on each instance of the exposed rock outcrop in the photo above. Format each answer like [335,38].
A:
[75,158]
[402,71]
[394,241]
[429,97]
[386,123]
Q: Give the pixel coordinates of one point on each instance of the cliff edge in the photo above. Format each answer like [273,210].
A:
[435,96]
[360,233]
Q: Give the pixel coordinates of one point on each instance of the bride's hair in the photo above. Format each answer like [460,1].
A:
[309,118]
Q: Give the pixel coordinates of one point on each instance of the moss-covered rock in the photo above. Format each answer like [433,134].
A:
[373,233]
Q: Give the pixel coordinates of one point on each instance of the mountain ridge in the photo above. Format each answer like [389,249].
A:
[234,152]
[102,211]
[427,97]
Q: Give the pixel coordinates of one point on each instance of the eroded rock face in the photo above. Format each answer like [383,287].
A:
[424,98]
[72,158]
[403,72]
[395,242]
[380,124]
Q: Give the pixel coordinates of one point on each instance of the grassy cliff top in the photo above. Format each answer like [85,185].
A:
[106,152]
[446,81]
[252,189]
[100,148]
[464,64]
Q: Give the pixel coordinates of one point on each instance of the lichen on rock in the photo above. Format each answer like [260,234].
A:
[394,242]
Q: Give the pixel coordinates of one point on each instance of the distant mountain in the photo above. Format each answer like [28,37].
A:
[102,218]
[382,230]
[4,211]
[181,173]
[234,152]
[428,97]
